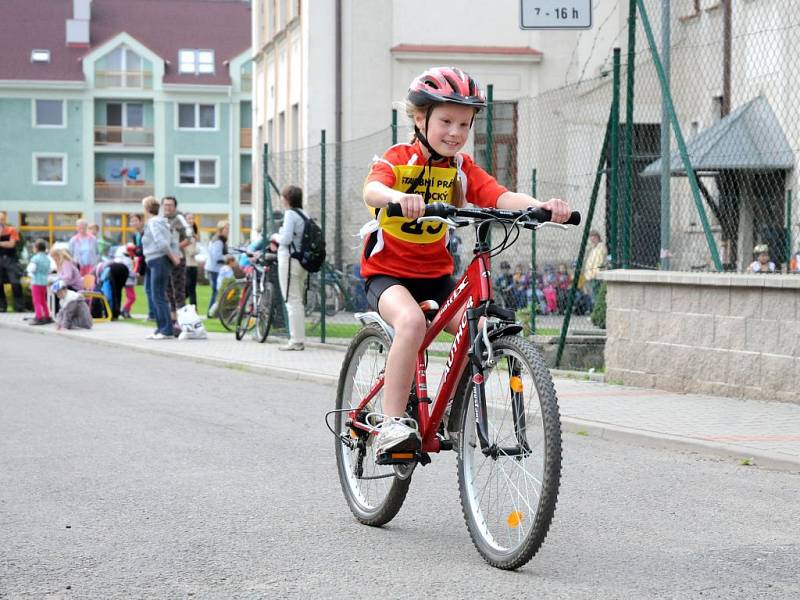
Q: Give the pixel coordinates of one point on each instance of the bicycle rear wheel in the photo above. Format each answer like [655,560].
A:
[509,492]
[245,312]
[372,491]
[229,303]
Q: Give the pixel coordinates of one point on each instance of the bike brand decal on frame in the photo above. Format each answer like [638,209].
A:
[462,327]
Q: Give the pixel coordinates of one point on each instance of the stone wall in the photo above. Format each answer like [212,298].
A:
[727,334]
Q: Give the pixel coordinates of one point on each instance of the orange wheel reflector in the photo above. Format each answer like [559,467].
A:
[516,384]
[402,455]
[514,519]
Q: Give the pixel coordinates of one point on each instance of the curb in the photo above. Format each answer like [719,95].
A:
[577,426]
[666,441]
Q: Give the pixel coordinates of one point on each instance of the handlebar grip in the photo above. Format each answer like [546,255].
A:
[434,209]
[542,215]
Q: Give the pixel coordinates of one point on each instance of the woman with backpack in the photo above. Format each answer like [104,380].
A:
[290,272]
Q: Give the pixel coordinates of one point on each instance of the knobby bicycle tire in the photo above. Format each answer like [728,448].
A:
[391,491]
[244,312]
[509,536]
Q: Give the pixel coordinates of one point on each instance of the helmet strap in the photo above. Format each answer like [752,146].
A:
[424,140]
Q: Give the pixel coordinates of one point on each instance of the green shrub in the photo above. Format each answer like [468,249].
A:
[598,316]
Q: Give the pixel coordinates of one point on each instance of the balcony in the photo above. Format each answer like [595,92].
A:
[122,136]
[117,192]
[246,193]
[140,80]
[245,138]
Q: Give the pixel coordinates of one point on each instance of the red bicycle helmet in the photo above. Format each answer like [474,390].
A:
[446,84]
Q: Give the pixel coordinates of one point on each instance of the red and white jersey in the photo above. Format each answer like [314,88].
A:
[398,246]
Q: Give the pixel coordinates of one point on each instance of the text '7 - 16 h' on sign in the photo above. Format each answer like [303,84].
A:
[555,14]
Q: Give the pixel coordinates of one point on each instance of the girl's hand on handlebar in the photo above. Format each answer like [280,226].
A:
[412,204]
[559,209]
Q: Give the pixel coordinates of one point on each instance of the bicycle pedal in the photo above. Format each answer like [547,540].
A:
[396,458]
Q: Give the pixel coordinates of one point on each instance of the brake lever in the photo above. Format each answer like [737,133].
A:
[539,225]
[446,221]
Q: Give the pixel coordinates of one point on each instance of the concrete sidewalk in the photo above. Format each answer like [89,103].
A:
[766,434]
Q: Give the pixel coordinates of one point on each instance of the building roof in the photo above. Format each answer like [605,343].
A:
[750,138]
[163,26]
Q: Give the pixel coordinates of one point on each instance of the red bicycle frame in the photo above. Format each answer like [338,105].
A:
[474,288]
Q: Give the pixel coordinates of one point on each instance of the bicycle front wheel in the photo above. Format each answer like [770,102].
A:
[372,491]
[509,489]
[244,312]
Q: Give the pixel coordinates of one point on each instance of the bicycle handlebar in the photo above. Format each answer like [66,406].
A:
[440,209]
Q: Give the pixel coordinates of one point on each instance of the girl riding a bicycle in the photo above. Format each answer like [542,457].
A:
[406,262]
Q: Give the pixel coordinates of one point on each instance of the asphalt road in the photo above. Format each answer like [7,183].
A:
[129,475]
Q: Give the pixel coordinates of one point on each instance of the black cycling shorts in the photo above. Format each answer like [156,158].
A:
[437,289]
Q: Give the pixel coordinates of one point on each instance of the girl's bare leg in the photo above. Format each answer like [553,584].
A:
[402,312]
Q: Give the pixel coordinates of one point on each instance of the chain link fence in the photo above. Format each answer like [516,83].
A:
[734,86]
[733,89]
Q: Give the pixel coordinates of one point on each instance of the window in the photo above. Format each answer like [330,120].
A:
[40,56]
[197,172]
[197,116]
[124,114]
[53,227]
[49,169]
[196,62]
[117,229]
[281,131]
[49,113]
[122,67]
[207,224]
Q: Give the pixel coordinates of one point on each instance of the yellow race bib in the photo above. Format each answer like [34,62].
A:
[436,185]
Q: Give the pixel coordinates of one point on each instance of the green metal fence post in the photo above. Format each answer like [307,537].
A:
[788,229]
[676,128]
[534,301]
[322,226]
[489,141]
[394,126]
[266,209]
[573,290]
[627,208]
[613,193]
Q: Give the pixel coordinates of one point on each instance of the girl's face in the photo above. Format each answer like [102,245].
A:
[448,127]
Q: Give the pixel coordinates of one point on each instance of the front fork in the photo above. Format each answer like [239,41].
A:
[480,345]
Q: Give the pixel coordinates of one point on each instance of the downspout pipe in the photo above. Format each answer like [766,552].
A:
[337,240]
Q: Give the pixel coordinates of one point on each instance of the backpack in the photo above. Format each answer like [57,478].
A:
[311,253]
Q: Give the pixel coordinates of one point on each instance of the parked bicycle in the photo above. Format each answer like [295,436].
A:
[260,299]
[496,407]
[343,291]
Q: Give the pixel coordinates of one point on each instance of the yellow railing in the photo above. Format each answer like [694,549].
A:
[124,79]
[116,192]
[125,136]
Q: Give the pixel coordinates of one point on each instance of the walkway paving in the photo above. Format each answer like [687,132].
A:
[766,434]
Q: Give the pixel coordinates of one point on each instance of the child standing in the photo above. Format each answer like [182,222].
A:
[127,256]
[39,268]
[404,263]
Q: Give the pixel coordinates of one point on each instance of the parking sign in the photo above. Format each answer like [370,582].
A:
[555,14]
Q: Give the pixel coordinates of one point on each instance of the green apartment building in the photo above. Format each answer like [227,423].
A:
[103,102]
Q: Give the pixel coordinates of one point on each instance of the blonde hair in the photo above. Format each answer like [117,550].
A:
[221,225]
[412,110]
[60,255]
[150,205]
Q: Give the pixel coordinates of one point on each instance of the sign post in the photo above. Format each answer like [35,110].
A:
[555,14]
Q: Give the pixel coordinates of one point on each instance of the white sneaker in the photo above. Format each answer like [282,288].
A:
[397,434]
[159,336]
